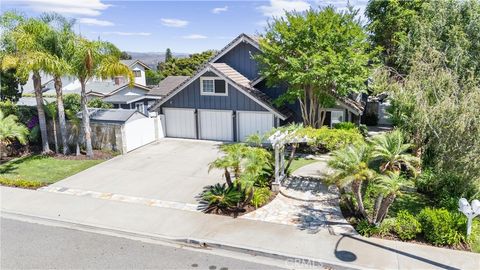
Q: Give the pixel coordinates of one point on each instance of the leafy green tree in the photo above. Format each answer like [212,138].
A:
[125,56]
[184,66]
[321,54]
[168,55]
[9,86]
[153,77]
[99,103]
[10,130]
[390,23]
[91,59]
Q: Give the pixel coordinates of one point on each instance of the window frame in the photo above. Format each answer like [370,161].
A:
[213,93]
[135,73]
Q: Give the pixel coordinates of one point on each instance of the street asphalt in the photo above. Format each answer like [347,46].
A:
[27,245]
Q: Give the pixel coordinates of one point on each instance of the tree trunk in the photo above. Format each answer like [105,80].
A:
[356,188]
[86,121]
[376,207]
[55,139]
[292,156]
[37,84]
[78,149]
[61,115]
[228,178]
[382,212]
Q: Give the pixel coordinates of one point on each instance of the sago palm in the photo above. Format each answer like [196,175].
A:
[11,130]
[230,161]
[391,151]
[351,168]
[388,186]
[90,59]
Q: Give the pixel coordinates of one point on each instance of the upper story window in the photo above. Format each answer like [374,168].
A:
[137,73]
[213,86]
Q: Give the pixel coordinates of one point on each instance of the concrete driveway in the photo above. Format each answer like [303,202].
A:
[171,170]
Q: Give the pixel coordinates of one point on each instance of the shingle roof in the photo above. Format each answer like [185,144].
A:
[123,99]
[110,115]
[131,62]
[167,85]
[245,84]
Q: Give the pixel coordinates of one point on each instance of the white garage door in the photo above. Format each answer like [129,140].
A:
[139,132]
[216,125]
[253,122]
[180,123]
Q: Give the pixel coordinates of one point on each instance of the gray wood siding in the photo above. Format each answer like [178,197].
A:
[240,58]
[190,97]
[274,92]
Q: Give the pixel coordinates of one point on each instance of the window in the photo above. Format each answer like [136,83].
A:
[213,86]
[137,73]
[337,117]
[140,107]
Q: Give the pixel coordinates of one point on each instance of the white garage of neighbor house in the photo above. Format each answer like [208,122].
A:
[123,130]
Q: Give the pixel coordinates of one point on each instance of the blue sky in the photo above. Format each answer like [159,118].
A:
[183,26]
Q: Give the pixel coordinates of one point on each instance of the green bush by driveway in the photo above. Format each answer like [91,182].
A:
[35,171]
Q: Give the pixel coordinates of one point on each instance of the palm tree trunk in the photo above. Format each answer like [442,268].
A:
[228,178]
[55,139]
[37,84]
[86,121]
[382,212]
[77,149]
[61,115]
[356,188]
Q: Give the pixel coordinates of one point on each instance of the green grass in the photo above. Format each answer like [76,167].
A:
[35,171]
[300,162]
[412,201]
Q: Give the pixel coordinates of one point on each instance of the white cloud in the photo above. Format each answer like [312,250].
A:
[174,22]
[219,9]
[195,36]
[118,33]
[70,7]
[277,8]
[92,21]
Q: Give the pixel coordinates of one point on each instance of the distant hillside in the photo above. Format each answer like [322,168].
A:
[152,58]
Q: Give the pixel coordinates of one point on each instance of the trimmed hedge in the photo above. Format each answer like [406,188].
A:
[331,139]
[440,227]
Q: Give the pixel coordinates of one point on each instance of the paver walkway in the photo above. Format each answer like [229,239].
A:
[306,202]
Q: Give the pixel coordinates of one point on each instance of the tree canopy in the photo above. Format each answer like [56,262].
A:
[320,53]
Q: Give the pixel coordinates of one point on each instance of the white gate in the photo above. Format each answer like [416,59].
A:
[216,125]
[139,132]
[253,122]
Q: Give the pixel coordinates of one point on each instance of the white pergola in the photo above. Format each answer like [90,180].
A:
[278,140]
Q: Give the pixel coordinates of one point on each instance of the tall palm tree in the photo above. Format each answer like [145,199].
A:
[51,110]
[30,56]
[10,130]
[58,44]
[351,168]
[91,59]
[391,151]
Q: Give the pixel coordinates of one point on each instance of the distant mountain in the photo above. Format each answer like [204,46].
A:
[152,58]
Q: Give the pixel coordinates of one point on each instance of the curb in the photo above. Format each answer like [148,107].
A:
[188,242]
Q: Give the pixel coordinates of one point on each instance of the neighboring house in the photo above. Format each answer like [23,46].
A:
[227,100]
[138,68]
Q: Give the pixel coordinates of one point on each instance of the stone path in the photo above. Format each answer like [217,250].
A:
[307,203]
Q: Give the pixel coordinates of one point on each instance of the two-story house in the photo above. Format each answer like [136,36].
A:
[227,99]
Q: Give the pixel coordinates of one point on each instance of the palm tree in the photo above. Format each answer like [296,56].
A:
[351,168]
[58,44]
[10,130]
[389,185]
[230,161]
[91,59]
[75,129]
[390,150]
[30,56]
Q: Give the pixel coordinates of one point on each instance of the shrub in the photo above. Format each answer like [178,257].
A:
[406,225]
[20,183]
[260,196]
[363,130]
[221,198]
[365,228]
[386,227]
[440,227]
[345,125]
[331,139]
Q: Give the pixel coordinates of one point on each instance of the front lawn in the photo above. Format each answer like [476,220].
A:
[36,171]
[297,163]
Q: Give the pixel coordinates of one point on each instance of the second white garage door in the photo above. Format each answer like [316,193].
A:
[180,123]
[253,122]
[216,125]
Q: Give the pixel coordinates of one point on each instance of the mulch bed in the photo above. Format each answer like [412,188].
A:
[249,208]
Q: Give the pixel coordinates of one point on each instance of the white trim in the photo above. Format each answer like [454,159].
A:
[143,97]
[209,68]
[241,38]
[258,80]
[203,93]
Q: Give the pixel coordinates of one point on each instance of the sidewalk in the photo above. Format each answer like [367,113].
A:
[278,239]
